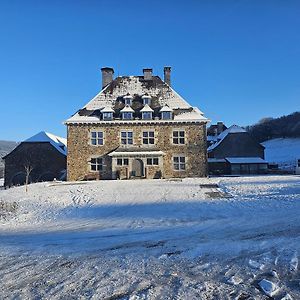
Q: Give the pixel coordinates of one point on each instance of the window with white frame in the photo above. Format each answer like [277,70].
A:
[148,137]
[178,137]
[107,116]
[126,137]
[97,164]
[146,100]
[128,101]
[179,163]
[147,115]
[127,115]
[152,161]
[166,115]
[122,161]
[97,138]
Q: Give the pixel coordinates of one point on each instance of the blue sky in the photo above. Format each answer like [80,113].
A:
[238,61]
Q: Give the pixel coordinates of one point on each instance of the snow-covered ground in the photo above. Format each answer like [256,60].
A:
[152,239]
[283,151]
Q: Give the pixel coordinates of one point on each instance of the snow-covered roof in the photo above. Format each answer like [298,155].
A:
[137,153]
[166,108]
[107,109]
[57,142]
[245,160]
[136,86]
[222,135]
[127,108]
[216,160]
[147,108]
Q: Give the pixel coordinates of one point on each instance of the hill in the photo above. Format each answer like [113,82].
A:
[5,147]
[273,128]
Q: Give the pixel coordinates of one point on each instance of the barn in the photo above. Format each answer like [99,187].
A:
[42,157]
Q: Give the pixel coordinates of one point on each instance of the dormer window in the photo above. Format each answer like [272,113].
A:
[147,115]
[127,116]
[107,116]
[128,100]
[146,99]
[147,112]
[107,113]
[166,113]
[127,113]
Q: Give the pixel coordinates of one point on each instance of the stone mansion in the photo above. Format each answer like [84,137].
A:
[136,127]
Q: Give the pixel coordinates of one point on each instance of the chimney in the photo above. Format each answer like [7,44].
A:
[219,127]
[107,76]
[167,75]
[147,74]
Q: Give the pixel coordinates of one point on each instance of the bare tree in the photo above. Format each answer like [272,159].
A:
[28,169]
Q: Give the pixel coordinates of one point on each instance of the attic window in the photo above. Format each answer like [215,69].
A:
[128,100]
[127,115]
[146,100]
[147,115]
[166,115]
[107,116]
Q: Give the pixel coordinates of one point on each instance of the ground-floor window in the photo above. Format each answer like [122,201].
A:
[179,162]
[97,164]
[152,161]
[122,161]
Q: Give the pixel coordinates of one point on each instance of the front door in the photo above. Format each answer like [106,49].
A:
[137,168]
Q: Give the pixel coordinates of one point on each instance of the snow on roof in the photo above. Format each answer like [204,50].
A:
[136,153]
[136,85]
[147,108]
[215,160]
[222,135]
[245,160]
[57,142]
[194,115]
[127,108]
[166,108]
[107,109]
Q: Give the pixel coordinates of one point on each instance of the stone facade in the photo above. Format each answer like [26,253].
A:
[81,151]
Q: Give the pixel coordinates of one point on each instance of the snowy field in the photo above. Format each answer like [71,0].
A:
[218,238]
[283,151]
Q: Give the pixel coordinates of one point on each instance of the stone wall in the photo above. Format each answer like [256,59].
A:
[80,150]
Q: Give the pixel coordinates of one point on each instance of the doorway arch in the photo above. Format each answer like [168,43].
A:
[137,168]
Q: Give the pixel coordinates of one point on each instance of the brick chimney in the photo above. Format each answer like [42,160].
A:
[107,76]
[219,127]
[147,74]
[167,75]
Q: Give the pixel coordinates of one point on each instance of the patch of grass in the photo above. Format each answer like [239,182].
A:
[7,209]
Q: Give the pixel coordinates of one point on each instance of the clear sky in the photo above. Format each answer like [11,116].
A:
[237,60]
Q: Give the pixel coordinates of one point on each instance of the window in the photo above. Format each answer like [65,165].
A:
[107,116]
[166,115]
[97,164]
[97,138]
[122,161]
[126,137]
[147,115]
[148,137]
[127,115]
[146,100]
[178,137]
[152,161]
[179,163]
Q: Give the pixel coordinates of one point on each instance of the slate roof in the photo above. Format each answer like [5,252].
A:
[136,86]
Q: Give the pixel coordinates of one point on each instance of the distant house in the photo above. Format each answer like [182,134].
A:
[234,151]
[213,131]
[44,153]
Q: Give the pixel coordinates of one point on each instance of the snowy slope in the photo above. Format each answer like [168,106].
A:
[283,151]
[152,239]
